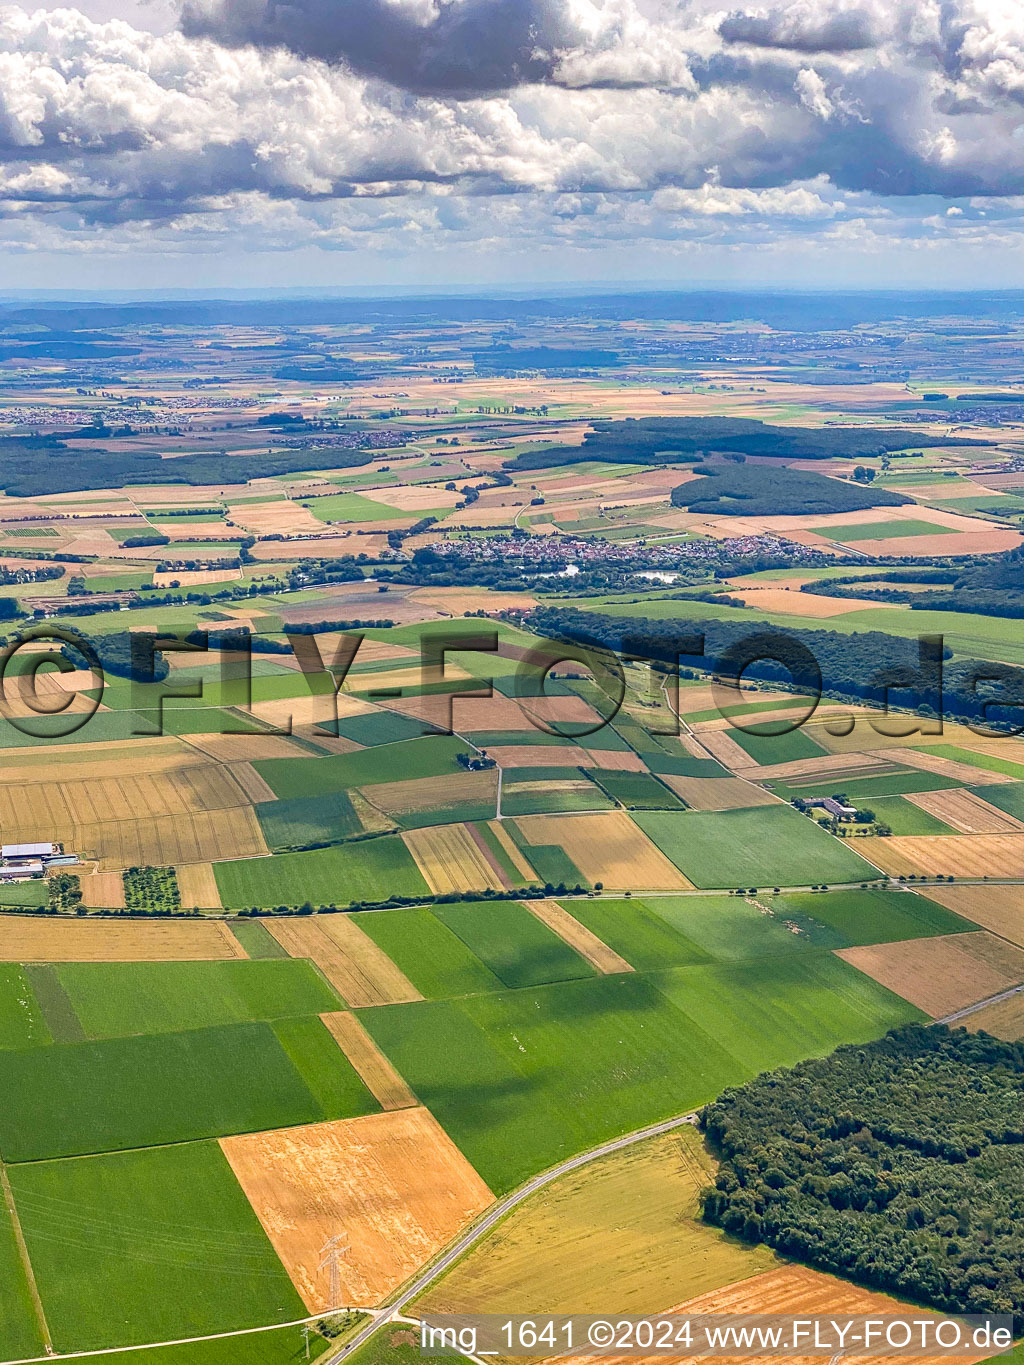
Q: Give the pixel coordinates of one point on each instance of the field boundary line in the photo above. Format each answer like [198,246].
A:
[26,1260]
[188,1341]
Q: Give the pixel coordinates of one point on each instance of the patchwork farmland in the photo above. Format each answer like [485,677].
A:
[333,942]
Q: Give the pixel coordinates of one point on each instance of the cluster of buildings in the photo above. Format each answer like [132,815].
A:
[590,552]
[20,862]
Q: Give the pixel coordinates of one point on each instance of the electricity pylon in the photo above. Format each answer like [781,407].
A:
[331,1251]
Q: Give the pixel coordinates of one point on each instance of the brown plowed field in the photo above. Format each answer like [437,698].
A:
[394,1184]
[109,940]
[357,969]
[944,974]
[607,847]
[378,1075]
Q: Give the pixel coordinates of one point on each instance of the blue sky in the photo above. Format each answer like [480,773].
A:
[215,143]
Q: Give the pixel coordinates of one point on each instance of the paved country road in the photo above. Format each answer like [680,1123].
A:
[494,1215]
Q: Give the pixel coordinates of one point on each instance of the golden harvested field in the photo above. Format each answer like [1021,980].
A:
[796,1291]
[462,601]
[198,886]
[104,890]
[841,767]
[944,974]
[252,786]
[357,969]
[718,793]
[320,708]
[418,675]
[721,745]
[197,836]
[954,855]
[191,578]
[378,1075]
[395,1183]
[796,603]
[277,518]
[623,1231]
[966,812]
[59,804]
[245,748]
[578,936]
[450,859]
[318,547]
[511,848]
[1004,1019]
[24,939]
[999,908]
[427,793]
[533,756]
[607,847]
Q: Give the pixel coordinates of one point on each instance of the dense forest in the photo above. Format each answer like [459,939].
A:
[864,666]
[899,1164]
[744,490]
[992,588]
[684,440]
[31,466]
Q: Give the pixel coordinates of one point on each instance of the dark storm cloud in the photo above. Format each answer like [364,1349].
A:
[466,47]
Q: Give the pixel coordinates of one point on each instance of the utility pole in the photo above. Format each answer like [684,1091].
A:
[331,1252]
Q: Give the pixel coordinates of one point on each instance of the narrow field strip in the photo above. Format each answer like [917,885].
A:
[578,936]
[376,1072]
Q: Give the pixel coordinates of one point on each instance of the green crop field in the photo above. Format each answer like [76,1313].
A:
[331,1078]
[370,870]
[1007,796]
[19,1326]
[351,507]
[728,928]
[256,939]
[382,727]
[552,801]
[904,818]
[429,757]
[304,820]
[776,1012]
[284,1347]
[144,1246]
[636,933]
[638,790]
[435,959]
[990,762]
[33,893]
[851,918]
[765,746]
[769,845]
[140,1092]
[115,999]
[22,1021]
[513,943]
[522,1079]
[881,530]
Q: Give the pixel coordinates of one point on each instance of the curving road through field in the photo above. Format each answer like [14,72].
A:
[462,1244]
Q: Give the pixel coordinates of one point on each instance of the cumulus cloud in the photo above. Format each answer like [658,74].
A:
[357,122]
